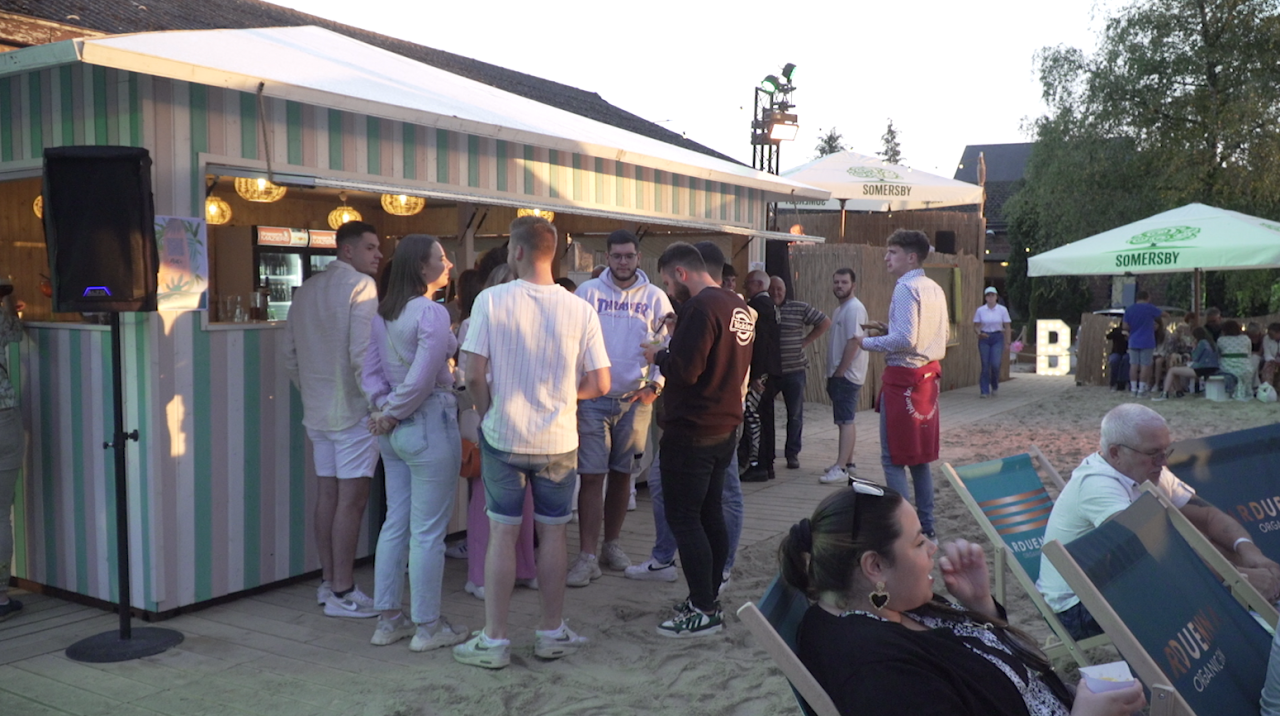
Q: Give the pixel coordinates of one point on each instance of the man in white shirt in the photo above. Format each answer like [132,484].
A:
[325,340]
[613,429]
[1134,449]
[846,372]
[545,352]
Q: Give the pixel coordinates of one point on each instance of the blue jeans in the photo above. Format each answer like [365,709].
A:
[421,459]
[991,350]
[791,386]
[664,543]
[1118,364]
[896,477]
[1078,622]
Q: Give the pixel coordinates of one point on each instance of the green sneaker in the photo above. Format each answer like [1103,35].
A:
[692,623]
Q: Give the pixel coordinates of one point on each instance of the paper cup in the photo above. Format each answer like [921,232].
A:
[1107,677]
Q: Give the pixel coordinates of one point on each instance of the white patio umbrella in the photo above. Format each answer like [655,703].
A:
[866,183]
[1195,238]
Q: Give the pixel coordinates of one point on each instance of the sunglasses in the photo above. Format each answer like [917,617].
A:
[862,487]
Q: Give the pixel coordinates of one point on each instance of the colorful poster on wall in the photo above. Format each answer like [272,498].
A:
[184,263]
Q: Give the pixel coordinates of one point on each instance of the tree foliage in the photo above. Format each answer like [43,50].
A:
[829,143]
[1180,104]
[892,152]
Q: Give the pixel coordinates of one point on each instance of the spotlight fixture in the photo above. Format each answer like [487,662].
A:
[783,126]
[402,204]
[343,214]
[259,190]
[771,84]
[789,73]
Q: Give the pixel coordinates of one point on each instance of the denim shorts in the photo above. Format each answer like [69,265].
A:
[612,435]
[1141,356]
[505,474]
[844,398]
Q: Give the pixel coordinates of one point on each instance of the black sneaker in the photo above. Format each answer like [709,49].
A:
[755,473]
[793,463]
[692,623]
[7,610]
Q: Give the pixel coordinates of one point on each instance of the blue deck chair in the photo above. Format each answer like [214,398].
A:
[1008,500]
[775,624]
[1183,634]
[1236,472]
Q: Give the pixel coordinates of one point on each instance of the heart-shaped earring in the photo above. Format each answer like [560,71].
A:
[878,596]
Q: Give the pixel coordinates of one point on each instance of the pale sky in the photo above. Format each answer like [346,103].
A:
[948,73]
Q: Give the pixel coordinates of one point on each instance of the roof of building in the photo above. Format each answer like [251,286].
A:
[128,16]
[1005,162]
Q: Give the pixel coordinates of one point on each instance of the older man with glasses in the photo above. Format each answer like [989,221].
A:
[1134,449]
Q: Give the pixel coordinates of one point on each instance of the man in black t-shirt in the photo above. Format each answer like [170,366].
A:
[705,366]
[1118,360]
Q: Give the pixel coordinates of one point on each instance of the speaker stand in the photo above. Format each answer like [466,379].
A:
[127,643]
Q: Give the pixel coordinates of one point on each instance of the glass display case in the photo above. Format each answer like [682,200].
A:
[284,258]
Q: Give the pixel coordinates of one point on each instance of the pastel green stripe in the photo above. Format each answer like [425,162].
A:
[335,139]
[77,440]
[577,177]
[693,199]
[599,173]
[442,156]
[553,165]
[409,140]
[473,160]
[202,430]
[6,120]
[737,203]
[135,112]
[143,387]
[501,150]
[112,117]
[199,104]
[100,135]
[528,169]
[19,565]
[248,126]
[36,142]
[297,484]
[373,143]
[724,203]
[43,340]
[252,459]
[293,132]
[107,405]
[675,194]
[751,205]
[639,187]
[619,193]
[68,99]
[657,190]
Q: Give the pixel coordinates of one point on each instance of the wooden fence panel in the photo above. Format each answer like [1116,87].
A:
[812,266]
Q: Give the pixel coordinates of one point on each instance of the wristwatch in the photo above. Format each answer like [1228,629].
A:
[656,388]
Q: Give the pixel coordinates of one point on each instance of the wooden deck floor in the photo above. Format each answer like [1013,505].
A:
[276,653]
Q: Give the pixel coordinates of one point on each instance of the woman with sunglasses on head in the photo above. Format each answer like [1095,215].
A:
[880,642]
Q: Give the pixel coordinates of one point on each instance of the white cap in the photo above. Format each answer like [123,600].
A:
[990,289]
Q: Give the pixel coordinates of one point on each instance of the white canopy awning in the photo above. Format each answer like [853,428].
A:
[316,66]
[867,183]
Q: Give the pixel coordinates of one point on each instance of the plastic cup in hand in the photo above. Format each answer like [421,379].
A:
[1107,677]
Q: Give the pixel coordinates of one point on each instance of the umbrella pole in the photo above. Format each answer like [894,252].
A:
[842,219]
[1197,277]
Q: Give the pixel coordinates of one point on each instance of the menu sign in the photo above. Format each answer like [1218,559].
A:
[281,236]
[323,239]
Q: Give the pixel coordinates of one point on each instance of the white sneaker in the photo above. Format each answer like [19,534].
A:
[434,637]
[583,571]
[477,592]
[457,550]
[323,592]
[834,475]
[558,643]
[852,472]
[652,571]
[355,604]
[390,631]
[531,583]
[612,557]
[631,503]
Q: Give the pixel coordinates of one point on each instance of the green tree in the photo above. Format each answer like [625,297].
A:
[1179,104]
[829,143]
[892,152]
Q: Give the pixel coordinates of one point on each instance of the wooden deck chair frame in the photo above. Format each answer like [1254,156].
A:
[794,669]
[1061,644]
[1165,700]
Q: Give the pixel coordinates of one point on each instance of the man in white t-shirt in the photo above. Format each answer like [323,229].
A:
[543,350]
[846,372]
[325,340]
[1134,449]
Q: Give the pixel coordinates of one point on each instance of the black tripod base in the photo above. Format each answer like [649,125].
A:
[108,647]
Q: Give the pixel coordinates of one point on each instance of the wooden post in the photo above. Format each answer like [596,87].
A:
[842,220]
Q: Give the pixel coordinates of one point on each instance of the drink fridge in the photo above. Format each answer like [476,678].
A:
[284,258]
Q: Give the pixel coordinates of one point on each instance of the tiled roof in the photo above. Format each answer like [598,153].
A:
[1005,162]
[128,16]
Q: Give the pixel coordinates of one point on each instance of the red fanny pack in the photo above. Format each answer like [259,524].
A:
[909,402]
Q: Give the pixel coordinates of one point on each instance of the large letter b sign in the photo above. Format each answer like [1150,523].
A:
[1053,347]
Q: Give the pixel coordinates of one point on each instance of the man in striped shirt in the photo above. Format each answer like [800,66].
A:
[793,338]
[533,350]
[914,341]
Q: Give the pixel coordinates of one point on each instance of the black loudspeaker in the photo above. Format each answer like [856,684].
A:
[777,262]
[944,242]
[99,229]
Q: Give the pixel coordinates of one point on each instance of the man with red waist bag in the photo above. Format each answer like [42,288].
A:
[914,341]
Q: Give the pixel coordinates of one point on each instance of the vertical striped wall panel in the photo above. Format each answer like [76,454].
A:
[221,484]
